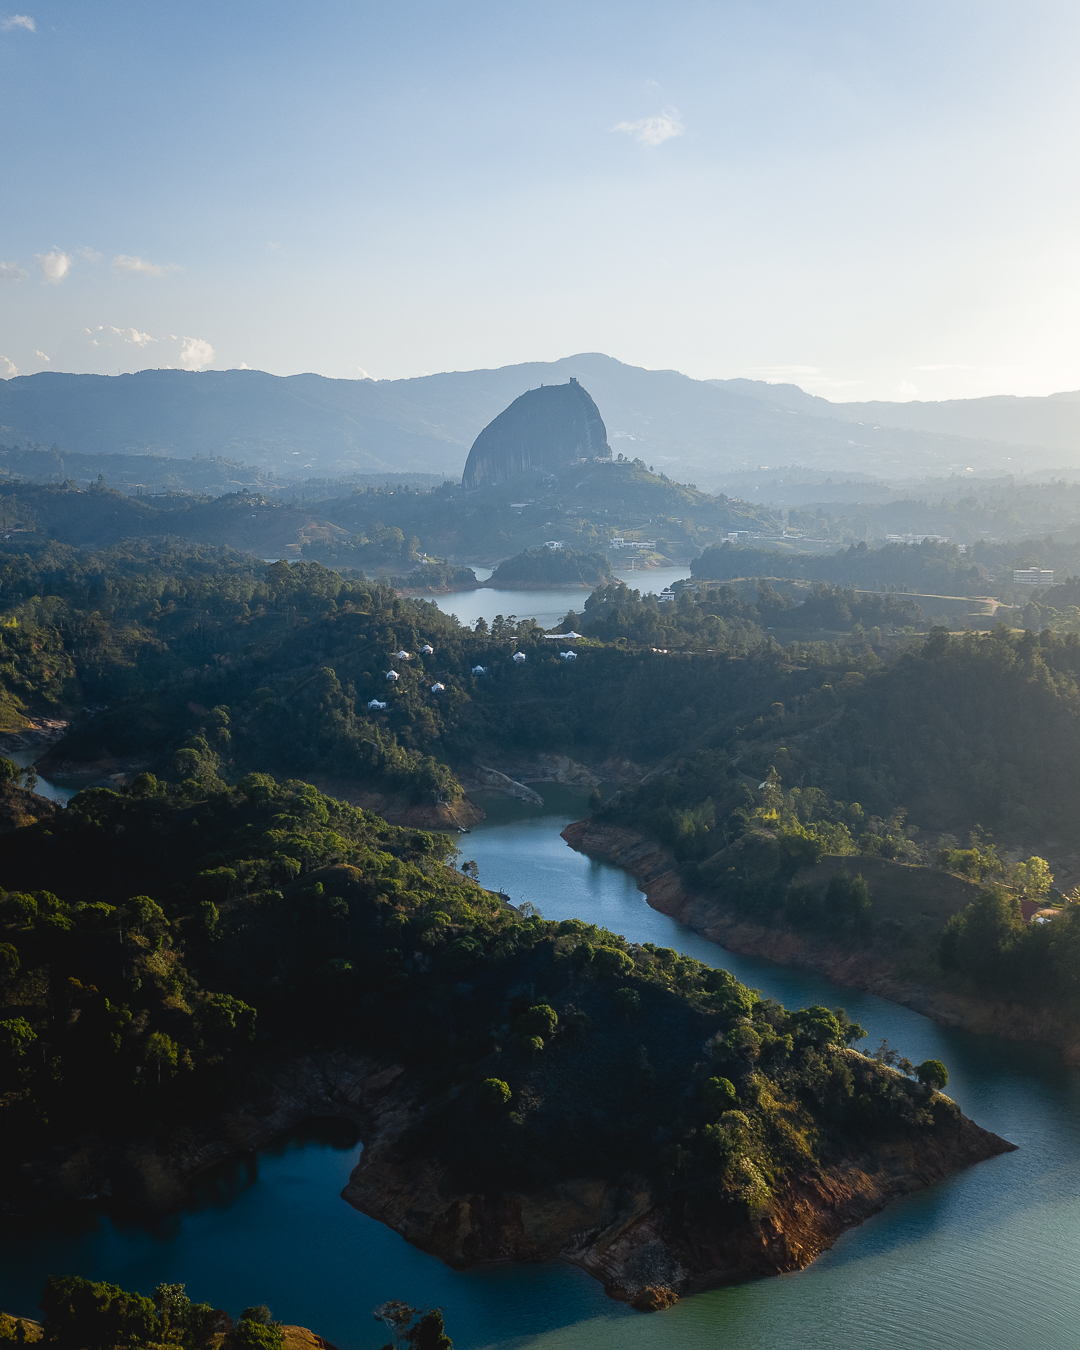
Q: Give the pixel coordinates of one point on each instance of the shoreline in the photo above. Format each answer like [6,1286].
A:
[656,872]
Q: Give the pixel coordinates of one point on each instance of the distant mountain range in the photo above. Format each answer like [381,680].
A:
[698,430]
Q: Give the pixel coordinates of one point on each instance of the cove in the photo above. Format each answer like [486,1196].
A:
[986,1261]
[548,608]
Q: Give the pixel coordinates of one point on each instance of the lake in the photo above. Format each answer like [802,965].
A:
[547,607]
[985,1261]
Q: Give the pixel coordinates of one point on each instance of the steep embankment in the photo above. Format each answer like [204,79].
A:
[878,966]
[645,1247]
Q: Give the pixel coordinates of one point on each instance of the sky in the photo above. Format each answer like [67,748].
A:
[869,200]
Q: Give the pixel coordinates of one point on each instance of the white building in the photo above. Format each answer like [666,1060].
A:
[553,543]
[374,703]
[915,538]
[1032,576]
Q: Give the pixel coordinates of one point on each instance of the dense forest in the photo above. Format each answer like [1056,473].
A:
[239,666]
[164,946]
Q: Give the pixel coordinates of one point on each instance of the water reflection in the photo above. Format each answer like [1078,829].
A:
[546,607]
[984,1261]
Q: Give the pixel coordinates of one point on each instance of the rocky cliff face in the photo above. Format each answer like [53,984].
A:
[545,429]
[647,1249]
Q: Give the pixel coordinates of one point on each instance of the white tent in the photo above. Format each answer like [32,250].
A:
[374,703]
[563,637]
[568,656]
[392,675]
[438,688]
[427,649]
[404,656]
[479,670]
[519,656]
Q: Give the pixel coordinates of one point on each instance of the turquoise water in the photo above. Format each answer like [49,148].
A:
[985,1261]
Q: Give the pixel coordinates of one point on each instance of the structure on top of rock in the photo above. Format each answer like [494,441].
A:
[546,429]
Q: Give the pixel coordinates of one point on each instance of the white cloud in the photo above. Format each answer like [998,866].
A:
[12,369]
[943,367]
[654,130]
[91,255]
[18,21]
[55,265]
[195,353]
[43,357]
[244,366]
[12,272]
[363,373]
[132,335]
[124,262]
[907,390]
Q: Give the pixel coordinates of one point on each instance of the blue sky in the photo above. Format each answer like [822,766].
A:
[869,199]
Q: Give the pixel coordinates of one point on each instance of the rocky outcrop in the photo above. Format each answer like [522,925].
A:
[872,969]
[546,429]
[644,1248]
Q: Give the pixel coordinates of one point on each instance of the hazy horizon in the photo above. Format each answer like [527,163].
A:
[868,204]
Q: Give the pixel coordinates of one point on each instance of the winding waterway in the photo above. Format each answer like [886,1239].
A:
[986,1261]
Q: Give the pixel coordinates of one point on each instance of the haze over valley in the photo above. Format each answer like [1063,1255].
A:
[539,677]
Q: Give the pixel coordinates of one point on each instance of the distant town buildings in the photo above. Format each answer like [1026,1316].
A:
[1032,576]
[915,538]
[617,541]
[553,544]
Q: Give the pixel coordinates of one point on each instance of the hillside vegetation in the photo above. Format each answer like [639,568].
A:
[164,946]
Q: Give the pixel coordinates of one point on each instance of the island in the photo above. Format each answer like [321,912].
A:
[551,568]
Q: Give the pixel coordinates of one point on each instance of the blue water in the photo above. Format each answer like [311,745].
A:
[986,1261]
[546,607]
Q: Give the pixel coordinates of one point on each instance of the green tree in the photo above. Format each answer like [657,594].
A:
[628,1001]
[720,1094]
[493,1092]
[539,1020]
[82,1315]
[9,962]
[1034,878]
[932,1074]
[248,1334]
[173,1305]
[161,1050]
[430,1333]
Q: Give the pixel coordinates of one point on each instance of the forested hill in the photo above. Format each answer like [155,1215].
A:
[380,527]
[165,954]
[207,665]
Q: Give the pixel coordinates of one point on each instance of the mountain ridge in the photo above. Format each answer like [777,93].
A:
[697,429]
